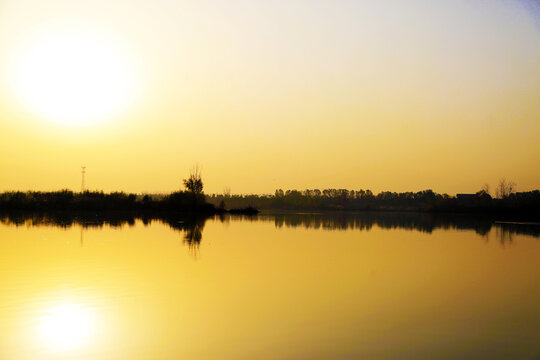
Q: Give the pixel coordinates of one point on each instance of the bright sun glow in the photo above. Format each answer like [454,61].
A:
[73,78]
[66,327]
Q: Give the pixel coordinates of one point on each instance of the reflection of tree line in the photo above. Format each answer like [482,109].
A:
[193,226]
[407,221]
[366,221]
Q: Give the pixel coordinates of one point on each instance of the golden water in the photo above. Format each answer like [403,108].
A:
[264,289]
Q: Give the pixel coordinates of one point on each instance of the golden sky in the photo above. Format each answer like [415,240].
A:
[390,95]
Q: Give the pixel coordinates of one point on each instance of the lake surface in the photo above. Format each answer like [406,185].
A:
[296,286]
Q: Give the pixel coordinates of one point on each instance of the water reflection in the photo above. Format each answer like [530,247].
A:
[66,327]
[407,221]
[267,287]
[193,226]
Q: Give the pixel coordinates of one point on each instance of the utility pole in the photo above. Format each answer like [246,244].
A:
[83,171]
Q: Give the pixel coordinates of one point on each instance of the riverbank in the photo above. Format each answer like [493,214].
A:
[181,202]
[520,204]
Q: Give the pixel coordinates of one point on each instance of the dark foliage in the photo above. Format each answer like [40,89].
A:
[365,200]
[98,200]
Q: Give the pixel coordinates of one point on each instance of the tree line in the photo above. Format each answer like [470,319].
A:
[99,200]
[366,200]
[191,199]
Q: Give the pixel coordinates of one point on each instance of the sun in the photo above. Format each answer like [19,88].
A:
[73,78]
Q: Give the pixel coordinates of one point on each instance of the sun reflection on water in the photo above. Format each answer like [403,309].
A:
[66,327]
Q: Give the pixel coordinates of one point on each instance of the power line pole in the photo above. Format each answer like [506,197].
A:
[83,171]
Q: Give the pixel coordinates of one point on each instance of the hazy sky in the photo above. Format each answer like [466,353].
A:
[386,95]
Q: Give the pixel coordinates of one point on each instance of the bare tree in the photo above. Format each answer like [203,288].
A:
[505,188]
[227,192]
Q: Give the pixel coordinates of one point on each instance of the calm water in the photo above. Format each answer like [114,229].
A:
[273,287]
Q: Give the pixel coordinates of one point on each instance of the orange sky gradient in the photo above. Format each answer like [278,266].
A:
[392,95]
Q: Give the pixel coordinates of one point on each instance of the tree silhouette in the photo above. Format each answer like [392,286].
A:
[194,182]
[505,188]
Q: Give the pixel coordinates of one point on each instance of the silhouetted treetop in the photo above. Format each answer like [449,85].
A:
[194,182]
